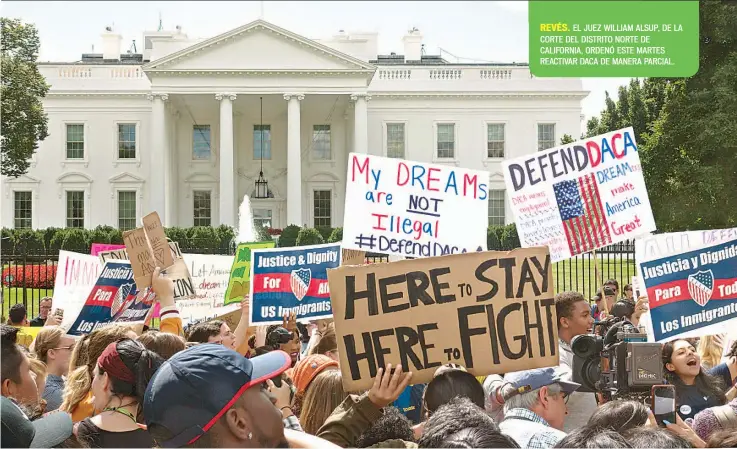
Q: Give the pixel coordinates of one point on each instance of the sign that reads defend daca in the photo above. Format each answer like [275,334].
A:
[492,312]
[414,209]
[580,196]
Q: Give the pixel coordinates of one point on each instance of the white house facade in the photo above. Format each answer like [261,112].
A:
[186,127]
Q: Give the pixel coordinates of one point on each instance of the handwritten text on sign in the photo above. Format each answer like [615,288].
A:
[581,196]
[414,209]
[492,312]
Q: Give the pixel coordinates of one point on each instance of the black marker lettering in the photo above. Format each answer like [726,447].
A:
[417,284]
[386,296]
[492,333]
[381,351]
[480,270]
[466,332]
[526,277]
[406,338]
[437,286]
[503,340]
[538,324]
[355,357]
[542,270]
[421,331]
[351,295]
[508,264]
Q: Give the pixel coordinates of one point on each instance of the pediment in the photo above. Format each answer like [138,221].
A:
[74,177]
[496,175]
[126,177]
[259,46]
[22,179]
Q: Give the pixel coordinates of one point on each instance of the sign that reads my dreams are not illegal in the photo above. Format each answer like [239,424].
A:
[492,312]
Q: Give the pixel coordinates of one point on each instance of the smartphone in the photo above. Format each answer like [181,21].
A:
[59,313]
[664,404]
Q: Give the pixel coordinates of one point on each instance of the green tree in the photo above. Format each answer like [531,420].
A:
[567,138]
[22,118]
[309,236]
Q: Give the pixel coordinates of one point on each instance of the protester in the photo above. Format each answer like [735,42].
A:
[618,416]
[628,293]
[162,343]
[122,374]
[393,427]
[44,308]
[38,370]
[696,389]
[593,438]
[655,437]
[613,284]
[324,395]
[303,375]
[54,348]
[17,315]
[327,343]
[284,339]
[493,401]
[462,424]
[358,413]
[19,431]
[710,349]
[596,307]
[535,406]
[714,419]
[603,308]
[448,384]
[283,397]
[16,379]
[204,396]
[218,332]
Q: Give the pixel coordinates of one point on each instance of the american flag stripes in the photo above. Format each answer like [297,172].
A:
[300,282]
[701,286]
[582,214]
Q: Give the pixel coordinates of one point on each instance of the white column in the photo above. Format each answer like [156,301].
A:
[227,160]
[159,152]
[360,132]
[294,160]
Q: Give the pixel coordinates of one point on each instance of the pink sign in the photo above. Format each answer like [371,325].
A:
[97,248]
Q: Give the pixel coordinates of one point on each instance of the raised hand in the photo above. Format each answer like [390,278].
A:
[388,386]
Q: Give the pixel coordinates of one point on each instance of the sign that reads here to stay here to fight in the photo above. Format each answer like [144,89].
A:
[407,208]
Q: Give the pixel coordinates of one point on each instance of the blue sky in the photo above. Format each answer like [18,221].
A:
[485,31]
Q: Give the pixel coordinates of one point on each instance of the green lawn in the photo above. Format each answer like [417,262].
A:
[578,274]
[12,296]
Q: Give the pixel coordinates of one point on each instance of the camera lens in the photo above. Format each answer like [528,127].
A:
[584,345]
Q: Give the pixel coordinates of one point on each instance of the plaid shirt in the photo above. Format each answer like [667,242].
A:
[529,430]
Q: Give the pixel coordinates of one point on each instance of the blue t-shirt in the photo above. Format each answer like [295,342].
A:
[409,402]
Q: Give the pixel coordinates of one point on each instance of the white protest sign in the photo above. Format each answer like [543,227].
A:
[76,274]
[210,275]
[658,246]
[414,209]
[580,196]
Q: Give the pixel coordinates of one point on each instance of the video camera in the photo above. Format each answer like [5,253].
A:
[631,365]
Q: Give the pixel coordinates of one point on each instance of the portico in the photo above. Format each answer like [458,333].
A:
[314,96]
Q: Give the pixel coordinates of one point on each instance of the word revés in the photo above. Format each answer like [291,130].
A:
[117,273]
[286,261]
[412,342]
[428,288]
[564,160]
[431,179]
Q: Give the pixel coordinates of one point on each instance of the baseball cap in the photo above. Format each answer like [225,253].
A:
[533,379]
[19,431]
[309,367]
[195,387]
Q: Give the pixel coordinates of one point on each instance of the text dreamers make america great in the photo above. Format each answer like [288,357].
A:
[587,154]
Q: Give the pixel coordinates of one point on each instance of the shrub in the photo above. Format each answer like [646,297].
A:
[178,235]
[309,236]
[6,241]
[203,239]
[336,236]
[28,241]
[492,241]
[288,236]
[100,234]
[29,276]
[115,237]
[77,240]
[48,236]
[262,234]
[226,234]
[510,238]
[325,232]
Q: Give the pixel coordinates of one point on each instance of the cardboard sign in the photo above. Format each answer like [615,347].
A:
[210,275]
[413,208]
[692,290]
[240,273]
[183,284]
[97,248]
[122,254]
[492,312]
[658,246]
[140,256]
[580,196]
[113,299]
[76,274]
[352,257]
[157,239]
[285,280]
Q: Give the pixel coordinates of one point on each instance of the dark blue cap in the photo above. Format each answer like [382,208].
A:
[195,387]
[533,379]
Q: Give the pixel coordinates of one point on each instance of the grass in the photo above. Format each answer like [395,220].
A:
[579,274]
[13,295]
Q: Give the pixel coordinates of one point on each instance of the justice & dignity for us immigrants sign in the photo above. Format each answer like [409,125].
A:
[580,196]
[692,290]
[285,280]
[393,206]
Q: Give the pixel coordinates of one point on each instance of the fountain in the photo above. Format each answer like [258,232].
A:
[245,222]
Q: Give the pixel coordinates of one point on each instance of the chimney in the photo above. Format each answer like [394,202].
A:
[111,44]
[412,45]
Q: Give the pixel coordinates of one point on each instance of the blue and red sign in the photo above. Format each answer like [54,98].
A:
[692,290]
[113,299]
[291,280]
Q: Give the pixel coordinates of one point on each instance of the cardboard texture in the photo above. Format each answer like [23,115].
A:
[122,254]
[183,284]
[353,257]
[492,312]
[140,256]
[157,239]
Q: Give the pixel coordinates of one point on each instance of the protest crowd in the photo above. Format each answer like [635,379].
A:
[256,377]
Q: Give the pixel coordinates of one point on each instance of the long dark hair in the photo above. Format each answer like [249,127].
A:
[143,363]
[708,385]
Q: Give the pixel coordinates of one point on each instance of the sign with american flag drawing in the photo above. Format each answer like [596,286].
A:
[285,280]
[580,196]
[692,291]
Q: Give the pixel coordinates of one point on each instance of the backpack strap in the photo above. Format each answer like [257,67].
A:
[726,416]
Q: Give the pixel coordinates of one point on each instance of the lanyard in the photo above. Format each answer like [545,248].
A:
[121,411]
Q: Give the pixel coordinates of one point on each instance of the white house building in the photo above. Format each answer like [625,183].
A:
[179,128]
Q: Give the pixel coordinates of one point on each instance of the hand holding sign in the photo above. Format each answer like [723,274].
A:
[163,287]
[388,385]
